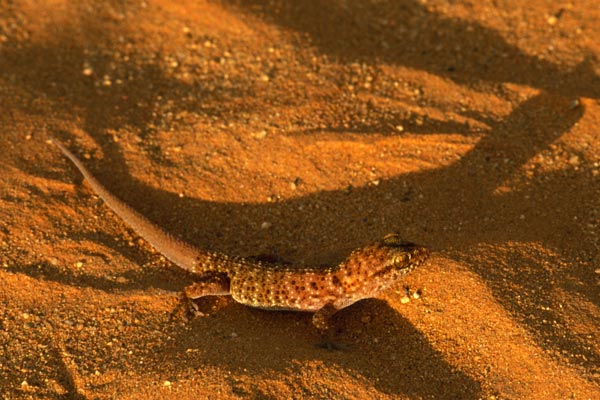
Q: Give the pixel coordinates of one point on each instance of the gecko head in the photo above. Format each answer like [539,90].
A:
[384,261]
[375,267]
[401,256]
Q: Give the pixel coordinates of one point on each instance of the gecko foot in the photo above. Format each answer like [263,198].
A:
[187,307]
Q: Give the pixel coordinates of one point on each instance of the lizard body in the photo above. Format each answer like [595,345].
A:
[366,272]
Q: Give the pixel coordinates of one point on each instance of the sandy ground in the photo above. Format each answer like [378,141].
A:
[302,130]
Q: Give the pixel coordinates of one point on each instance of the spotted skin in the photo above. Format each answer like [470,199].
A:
[365,273]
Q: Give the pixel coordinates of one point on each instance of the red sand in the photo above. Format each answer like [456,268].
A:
[302,129]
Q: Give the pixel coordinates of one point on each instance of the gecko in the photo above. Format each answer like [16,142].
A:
[365,273]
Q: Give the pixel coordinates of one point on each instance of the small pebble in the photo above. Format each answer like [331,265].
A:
[405,300]
[106,81]
[266,225]
[574,161]
[294,184]
[87,71]
[260,135]
[574,104]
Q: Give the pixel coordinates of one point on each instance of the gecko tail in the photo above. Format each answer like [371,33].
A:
[177,251]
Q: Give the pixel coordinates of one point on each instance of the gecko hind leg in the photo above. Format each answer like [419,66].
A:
[215,285]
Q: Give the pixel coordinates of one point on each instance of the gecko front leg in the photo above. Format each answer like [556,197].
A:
[322,321]
[322,318]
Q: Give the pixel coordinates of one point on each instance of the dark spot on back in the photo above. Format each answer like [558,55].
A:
[314,285]
[336,281]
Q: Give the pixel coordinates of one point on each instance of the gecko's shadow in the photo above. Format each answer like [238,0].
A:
[405,360]
[447,193]
[407,33]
